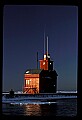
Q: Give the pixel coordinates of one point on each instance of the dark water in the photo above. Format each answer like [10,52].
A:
[65,107]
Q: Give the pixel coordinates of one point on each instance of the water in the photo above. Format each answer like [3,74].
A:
[63,107]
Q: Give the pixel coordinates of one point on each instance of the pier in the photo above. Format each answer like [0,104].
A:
[40,94]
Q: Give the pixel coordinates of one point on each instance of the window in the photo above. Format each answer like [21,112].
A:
[28,82]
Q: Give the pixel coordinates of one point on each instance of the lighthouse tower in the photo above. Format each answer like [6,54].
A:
[46,63]
[48,82]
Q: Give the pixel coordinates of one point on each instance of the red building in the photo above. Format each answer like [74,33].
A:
[43,80]
[31,80]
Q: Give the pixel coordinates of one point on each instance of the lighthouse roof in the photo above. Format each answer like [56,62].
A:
[33,71]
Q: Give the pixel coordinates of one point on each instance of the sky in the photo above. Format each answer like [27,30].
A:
[23,37]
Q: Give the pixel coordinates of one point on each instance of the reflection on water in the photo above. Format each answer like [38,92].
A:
[40,110]
[31,110]
[60,108]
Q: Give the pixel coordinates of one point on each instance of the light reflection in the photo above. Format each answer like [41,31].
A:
[32,109]
[40,109]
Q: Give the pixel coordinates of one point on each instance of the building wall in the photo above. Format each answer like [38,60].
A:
[48,82]
[31,83]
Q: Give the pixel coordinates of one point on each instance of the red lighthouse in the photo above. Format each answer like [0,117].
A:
[43,80]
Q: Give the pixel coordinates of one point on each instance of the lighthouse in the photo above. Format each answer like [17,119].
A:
[43,79]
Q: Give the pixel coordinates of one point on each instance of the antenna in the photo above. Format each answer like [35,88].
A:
[47,46]
[37,60]
[44,41]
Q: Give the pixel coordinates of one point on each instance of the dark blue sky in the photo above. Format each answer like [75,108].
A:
[23,36]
